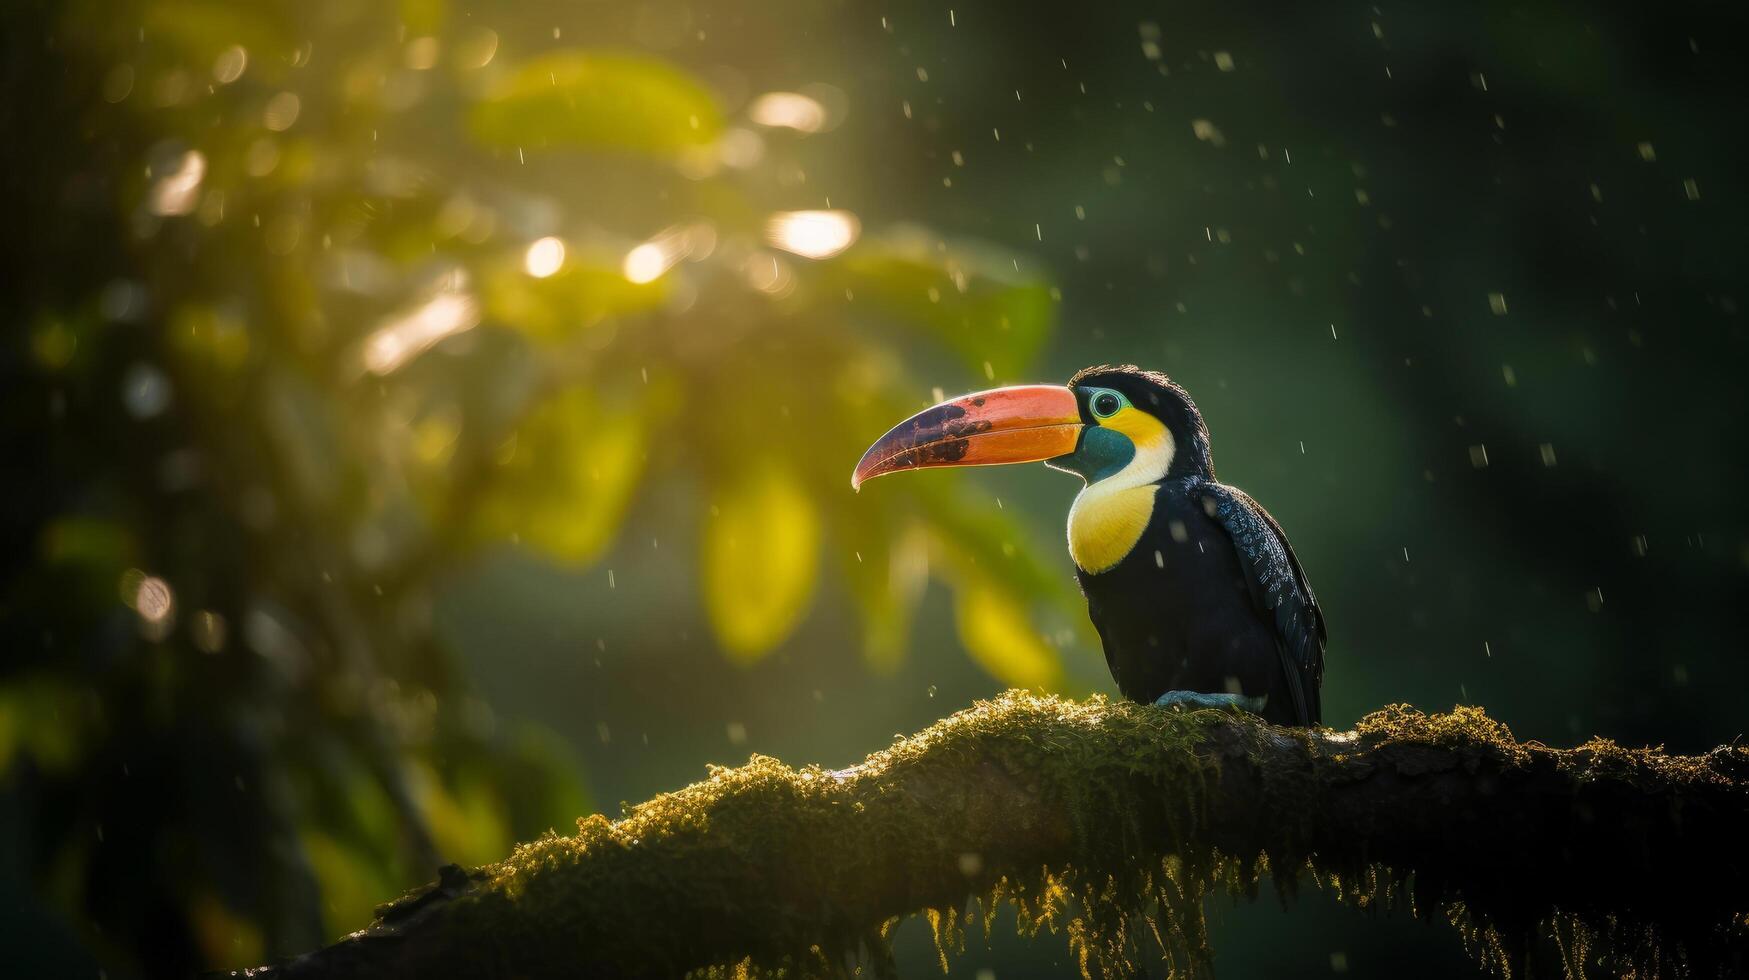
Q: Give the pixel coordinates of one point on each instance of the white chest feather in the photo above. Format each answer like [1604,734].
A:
[1106,522]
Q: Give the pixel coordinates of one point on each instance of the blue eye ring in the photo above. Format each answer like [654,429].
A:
[1105,404]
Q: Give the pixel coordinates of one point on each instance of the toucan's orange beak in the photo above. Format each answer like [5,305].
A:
[1019,424]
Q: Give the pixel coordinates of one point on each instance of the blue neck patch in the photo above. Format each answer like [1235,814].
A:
[1102,453]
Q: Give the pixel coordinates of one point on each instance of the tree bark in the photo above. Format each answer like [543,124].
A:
[1096,816]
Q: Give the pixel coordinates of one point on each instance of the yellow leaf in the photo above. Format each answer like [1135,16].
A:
[761,552]
[349,882]
[588,289]
[197,30]
[887,573]
[424,16]
[598,101]
[997,631]
[468,826]
[568,477]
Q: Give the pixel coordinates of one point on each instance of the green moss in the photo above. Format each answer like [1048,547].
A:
[1083,762]
[1462,727]
[1090,818]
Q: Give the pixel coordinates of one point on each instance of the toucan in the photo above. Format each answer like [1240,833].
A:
[1193,587]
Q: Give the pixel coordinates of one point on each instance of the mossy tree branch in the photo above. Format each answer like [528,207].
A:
[1112,821]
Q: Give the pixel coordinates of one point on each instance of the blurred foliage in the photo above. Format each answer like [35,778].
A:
[596,101]
[393,289]
[761,552]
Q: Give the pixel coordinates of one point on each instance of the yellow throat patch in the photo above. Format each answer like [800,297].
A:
[1109,516]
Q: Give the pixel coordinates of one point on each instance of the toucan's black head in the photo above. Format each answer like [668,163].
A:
[1108,422]
[1136,417]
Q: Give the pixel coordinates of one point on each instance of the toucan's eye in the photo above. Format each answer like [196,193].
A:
[1106,404]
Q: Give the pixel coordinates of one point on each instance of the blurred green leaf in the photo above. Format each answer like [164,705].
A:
[982,302]
[54,343]
[210,338]
[468,821]
[354,808]
[886,568]
[997,631]
[564,480]
[760,551]
[229,940]
[43,719]
[102,545]
[999,572]
[899,533]
[424,16]
[540,779]
[587,289]
[201,29]
[298,186]
[599,101]
[351,886]
[986,540]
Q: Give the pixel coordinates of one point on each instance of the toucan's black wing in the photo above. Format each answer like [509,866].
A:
[1278,587]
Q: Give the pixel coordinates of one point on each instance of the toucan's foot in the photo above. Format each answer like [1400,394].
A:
[1230,702]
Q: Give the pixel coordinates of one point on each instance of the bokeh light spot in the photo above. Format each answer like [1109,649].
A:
[149,595]
[813,234]
[475,48]
[145,391]
[282,110]
[230,64]
[178,190]
[788,110]
[421,53]
[648,261]
[544,257]
[405,335]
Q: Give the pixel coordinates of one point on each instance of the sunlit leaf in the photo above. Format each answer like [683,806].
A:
[540,779]
[965,534]
[359,809]
[200,29]
[424,16]
[598,101]
[1000,568]
[985,540]
[991,307]
[467,821]
[584,291]
[761,548]
[562,485]
[997,631]
[348,881]
[886,569]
